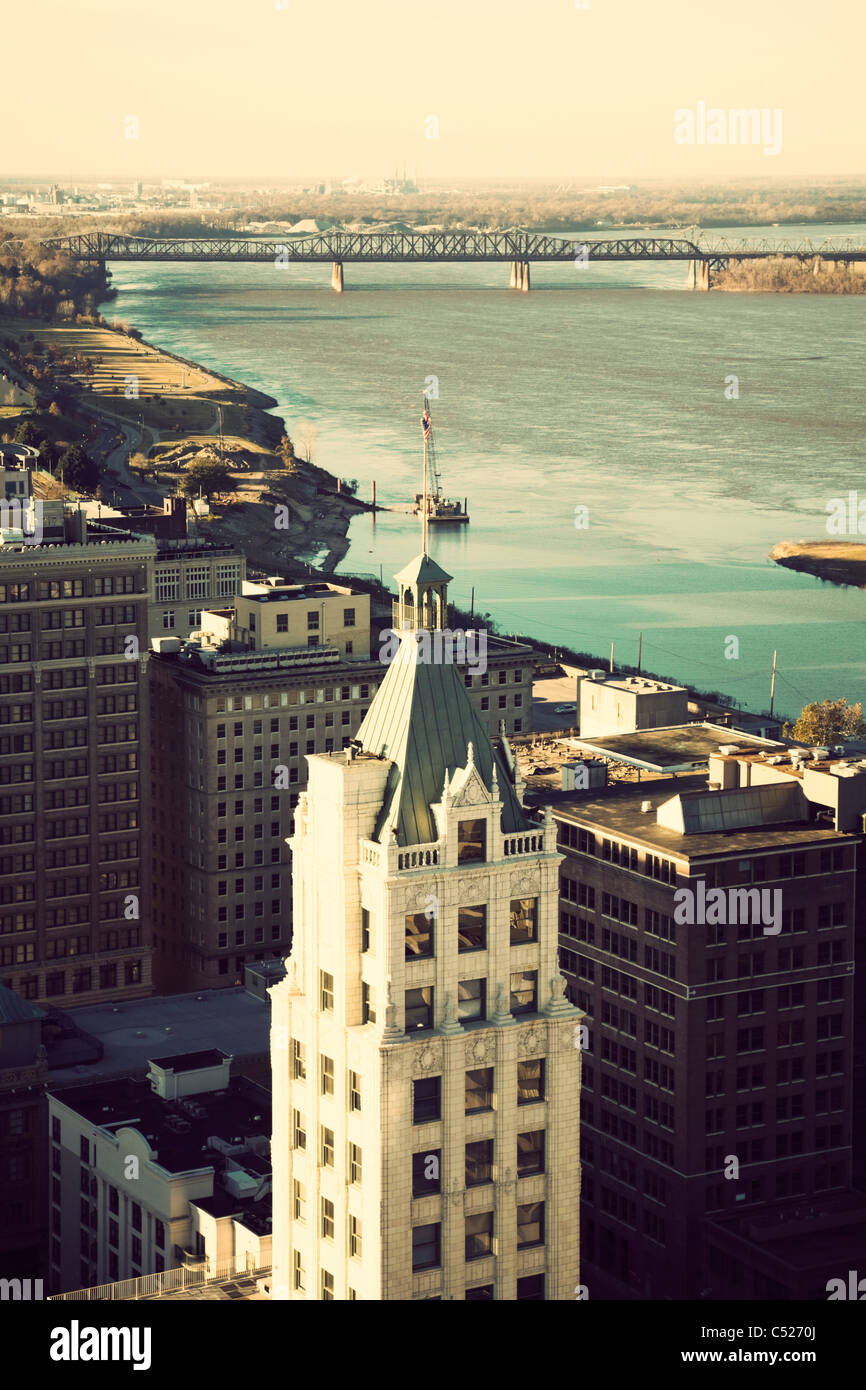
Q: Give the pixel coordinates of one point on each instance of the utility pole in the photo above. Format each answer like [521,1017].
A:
[773,685]
[639,652]
[611,658]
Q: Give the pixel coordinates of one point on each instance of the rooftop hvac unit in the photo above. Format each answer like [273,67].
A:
[646,807]
[820,754]
[728,749]
[597,675]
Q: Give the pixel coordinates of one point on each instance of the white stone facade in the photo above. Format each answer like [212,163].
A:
[344,1205]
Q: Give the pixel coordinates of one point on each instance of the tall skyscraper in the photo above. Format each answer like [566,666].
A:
[74,829]
[426,1065]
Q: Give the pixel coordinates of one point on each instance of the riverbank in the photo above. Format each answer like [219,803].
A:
[835,562]
[286,513]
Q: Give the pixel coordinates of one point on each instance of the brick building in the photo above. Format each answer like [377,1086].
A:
[721,1065]
[285,672]
[74,833]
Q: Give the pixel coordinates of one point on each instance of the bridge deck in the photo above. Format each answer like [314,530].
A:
[522,247]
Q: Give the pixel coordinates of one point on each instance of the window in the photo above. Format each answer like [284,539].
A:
[365,929]
[530,1153]
[531,1288]
[530,1225]
[524,920]
[326,992]
[524,992]
[471,999]
[298,1264]
[327,1147]
[299,1066]
[530,1081]
[355,1244]
[327,1076]
[479,1162]
[471,928]
[299,1200]
[327,1287]
[479,1235]
[426,1099]
[348,617]
[368,1002]
[471,841]
[354,1091]
[426,1246]
[419,1008]
[426,1181]
[299,1130]
[355,1164]
[419,935]
[482,1293]
[479,1090]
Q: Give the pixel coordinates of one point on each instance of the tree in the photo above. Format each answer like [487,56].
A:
[78,469]
[307,435]
[829,721]
[28,433]
[47,456]
[208,477]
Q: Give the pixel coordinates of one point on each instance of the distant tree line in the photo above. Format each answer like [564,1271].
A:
[35,283]
[782,276]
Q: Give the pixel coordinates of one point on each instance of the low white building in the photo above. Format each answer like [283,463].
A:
[148,1173]
[624,704]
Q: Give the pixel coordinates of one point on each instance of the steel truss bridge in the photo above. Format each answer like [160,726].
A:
[518,248]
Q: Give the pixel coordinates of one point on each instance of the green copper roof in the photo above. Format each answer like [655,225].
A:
[422,570]
[423,720]
[14,1009]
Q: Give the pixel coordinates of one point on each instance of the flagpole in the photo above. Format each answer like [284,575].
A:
[424,514]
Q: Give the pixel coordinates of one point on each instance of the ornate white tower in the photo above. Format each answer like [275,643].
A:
[426,1065]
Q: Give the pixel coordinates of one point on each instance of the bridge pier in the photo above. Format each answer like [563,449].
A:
[337,277]
[514,280]
[519,279]
[699,275]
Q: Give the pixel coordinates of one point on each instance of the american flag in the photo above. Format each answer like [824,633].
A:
[426,423]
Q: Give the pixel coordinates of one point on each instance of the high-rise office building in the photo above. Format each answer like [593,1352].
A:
[708,933]
[425,1063]
[74,833]
[283,672]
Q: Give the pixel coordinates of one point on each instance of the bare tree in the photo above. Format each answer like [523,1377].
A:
[308,433]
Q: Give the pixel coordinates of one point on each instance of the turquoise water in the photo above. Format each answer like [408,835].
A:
[603,388]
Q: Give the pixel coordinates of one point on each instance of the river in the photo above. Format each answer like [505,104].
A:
[604,388]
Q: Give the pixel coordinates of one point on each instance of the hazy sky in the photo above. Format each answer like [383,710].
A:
[226,88]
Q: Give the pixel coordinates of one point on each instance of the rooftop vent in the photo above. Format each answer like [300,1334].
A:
[646,807]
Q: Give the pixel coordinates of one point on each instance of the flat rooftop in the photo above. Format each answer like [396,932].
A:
[140,1030]
[675,748]
[280,593]
[617,812]
[790,763]
[180,1140]
[806,1233]
[635,685]
[192,1061]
